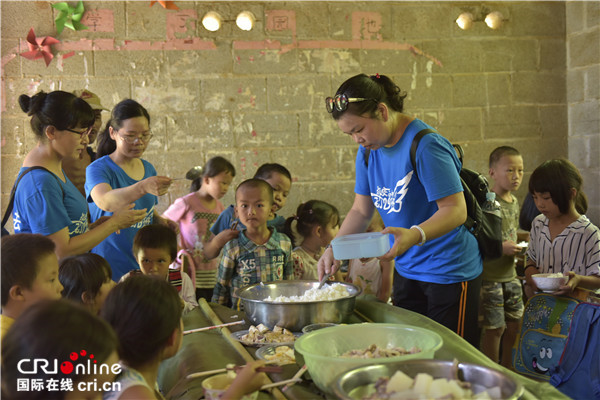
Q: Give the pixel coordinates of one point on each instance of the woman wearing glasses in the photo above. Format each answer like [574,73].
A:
[46,201]
[121,178]
[437,260]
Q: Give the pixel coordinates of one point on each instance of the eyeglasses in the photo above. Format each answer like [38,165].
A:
[130,139]
[86,132]
[340,102]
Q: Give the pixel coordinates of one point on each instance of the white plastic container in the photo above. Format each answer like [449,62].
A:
[360,245]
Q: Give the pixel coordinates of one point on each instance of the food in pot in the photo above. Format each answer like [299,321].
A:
[261,334]
[402,386]
[374,351]
[329,292]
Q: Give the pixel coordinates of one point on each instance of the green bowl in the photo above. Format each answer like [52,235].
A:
[321,349]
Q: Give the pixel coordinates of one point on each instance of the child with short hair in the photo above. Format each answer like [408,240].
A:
[562,239]
[195,213]
[29,274]
[280,180]
[373,275]
[146,315]
[61,331]
[501,296]
[259,253]
[155,249]
[86,279]
[312,228]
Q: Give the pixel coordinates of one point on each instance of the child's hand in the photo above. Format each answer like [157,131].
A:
[510,248]
[570,286]
[246,381]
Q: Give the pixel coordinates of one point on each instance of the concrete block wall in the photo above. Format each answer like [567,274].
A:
[583,96]
[258,96]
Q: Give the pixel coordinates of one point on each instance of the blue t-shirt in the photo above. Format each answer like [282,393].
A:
[44,204]
[117,248]
[403,201]
[226,218]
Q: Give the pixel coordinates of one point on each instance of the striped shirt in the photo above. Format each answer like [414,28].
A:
[576,249]
[245,263]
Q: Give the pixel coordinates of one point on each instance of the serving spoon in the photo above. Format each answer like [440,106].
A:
[324,279]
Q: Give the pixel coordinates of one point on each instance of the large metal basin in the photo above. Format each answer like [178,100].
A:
[294,316]
[353,384]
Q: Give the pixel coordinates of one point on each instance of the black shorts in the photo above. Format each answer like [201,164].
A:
[454,305]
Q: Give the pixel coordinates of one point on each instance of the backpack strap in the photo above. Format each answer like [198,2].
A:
[414,145]
[13,191]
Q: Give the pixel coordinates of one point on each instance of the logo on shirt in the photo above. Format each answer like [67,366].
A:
[80,226]
[386,199]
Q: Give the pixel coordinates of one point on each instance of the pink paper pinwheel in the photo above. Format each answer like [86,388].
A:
[39,47]
[69,16]
[169,5]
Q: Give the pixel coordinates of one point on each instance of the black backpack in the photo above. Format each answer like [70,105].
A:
[487,228]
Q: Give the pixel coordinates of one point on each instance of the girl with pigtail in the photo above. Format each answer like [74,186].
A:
[311,229]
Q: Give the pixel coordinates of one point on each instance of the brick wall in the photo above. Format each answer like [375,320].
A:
[258,96]
[583,94]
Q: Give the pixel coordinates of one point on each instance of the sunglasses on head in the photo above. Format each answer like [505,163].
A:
[340,102]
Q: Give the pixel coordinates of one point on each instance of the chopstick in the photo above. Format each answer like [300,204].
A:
[295,378]
[286,382]
[236,367]
[206,328]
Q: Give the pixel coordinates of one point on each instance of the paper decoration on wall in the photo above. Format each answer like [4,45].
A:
[39,47]
[69,16]
[169,5]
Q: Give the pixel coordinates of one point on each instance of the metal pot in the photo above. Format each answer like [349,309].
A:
[352,384]
[294,316]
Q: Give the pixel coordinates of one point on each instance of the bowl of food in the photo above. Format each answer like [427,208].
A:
[549,283]
[295,304]
[330,351]
[277,354]
[426,379]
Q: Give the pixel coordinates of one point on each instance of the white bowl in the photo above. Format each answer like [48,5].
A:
[549,282]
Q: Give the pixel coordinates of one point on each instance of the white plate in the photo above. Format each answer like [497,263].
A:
[238,336]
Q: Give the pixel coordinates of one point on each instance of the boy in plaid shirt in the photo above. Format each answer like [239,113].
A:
[259,253]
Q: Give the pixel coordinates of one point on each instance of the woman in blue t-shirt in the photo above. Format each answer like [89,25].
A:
[46,201]
[120,177]
[438,264]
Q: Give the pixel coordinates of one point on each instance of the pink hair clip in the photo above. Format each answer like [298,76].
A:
[377,76]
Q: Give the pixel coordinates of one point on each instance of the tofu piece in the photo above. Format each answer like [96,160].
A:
[399,382]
